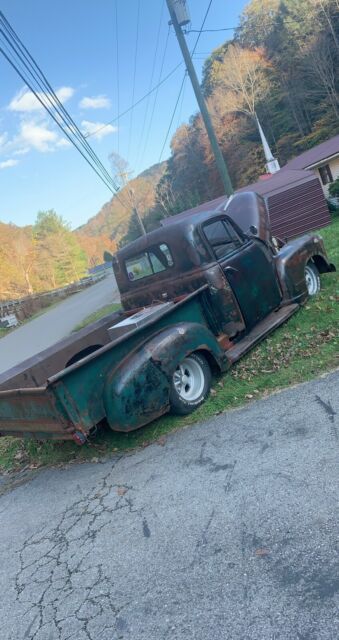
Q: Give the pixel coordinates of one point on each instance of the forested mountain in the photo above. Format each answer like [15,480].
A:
[112,219]
[282,66]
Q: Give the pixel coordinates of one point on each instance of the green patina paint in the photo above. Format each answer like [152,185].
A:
[85,383]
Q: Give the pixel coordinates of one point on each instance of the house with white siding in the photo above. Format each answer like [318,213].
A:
[322,159]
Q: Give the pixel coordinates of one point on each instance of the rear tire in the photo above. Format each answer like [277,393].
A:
[191,384]
[312,279]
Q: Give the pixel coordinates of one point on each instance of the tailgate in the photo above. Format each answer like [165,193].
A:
[33,413]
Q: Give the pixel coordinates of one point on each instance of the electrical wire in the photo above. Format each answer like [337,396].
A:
[12,63]
[184,78]
[118,70]
[124,113]
[172,117]
[134,77]
[186,31]
[55,103]
[155,97]
[182,101]
[60,115]
[150,83]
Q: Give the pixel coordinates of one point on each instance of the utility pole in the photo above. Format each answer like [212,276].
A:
[136,212]
[198,94]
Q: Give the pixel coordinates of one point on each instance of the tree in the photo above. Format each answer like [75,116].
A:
[242,75]
[122,173]
[334,189]
[60,258]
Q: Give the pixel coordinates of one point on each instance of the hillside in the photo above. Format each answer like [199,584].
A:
[113,218]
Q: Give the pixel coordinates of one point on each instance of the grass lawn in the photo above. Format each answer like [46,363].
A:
[304,347]
[105,311]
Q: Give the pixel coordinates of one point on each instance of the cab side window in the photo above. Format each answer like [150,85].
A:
[221,236]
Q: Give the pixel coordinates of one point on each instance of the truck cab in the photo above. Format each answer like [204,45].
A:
[249,273]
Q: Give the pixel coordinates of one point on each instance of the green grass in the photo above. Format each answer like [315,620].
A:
[105,311]
[304,347]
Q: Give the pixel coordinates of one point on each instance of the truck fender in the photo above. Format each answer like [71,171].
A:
[291,261]
[137,391]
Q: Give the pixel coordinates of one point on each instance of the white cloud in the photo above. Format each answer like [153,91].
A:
[97,102]
[37,136]
[63,142]
[97,129]
[21,152]
[8,163]
[3,139]
[26,101]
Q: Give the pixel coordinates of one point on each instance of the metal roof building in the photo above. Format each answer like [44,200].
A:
[294,200]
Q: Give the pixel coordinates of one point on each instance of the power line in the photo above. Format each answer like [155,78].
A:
[238,28]
[59,115]
[172,117]
[151,81]
[39,78]
[186,31]
[155,98]
[184,78]
[51,114]
[134,76]
[118,71]
[182,101]
[124,113]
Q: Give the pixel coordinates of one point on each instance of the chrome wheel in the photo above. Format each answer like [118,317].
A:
[189,379]
[312,279]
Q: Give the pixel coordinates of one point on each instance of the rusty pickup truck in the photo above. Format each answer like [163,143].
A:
[196,295]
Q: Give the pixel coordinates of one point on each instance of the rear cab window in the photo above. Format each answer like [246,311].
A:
[149,262]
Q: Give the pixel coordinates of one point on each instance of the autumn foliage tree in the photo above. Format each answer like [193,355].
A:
[39,258]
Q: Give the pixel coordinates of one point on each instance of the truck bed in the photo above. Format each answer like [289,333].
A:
[60,391]
[35,371]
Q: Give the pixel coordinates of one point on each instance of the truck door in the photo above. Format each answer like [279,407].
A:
[248,266]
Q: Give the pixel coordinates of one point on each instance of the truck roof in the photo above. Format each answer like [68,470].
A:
[245,209]
[177,227]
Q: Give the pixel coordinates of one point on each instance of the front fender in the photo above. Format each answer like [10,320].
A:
[291,261]
[137,391]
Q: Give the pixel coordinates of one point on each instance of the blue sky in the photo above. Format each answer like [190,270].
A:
[74,42]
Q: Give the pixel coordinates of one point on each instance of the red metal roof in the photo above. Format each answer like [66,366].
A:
[273,184]
[315,155]
[278,182]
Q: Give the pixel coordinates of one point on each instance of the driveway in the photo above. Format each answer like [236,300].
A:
[227,530]
[55,324]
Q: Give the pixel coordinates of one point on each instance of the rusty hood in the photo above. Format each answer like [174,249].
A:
[248,209]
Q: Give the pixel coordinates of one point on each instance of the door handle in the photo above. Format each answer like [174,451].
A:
[231,270]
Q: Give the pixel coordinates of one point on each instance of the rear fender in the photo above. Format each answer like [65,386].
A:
[137,391]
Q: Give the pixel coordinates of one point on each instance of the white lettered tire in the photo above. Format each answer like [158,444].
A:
[190,385]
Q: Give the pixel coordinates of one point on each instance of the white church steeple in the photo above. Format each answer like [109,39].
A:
[272,164]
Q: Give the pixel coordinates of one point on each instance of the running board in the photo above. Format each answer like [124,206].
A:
[263,328]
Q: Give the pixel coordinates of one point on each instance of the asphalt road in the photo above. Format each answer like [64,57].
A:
[227,530]
[55,324]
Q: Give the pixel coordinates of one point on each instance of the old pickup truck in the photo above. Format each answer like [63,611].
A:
[196,295]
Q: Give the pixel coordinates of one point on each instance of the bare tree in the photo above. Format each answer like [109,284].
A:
[122,174]
[325,8]
[321,63]
[242,74]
